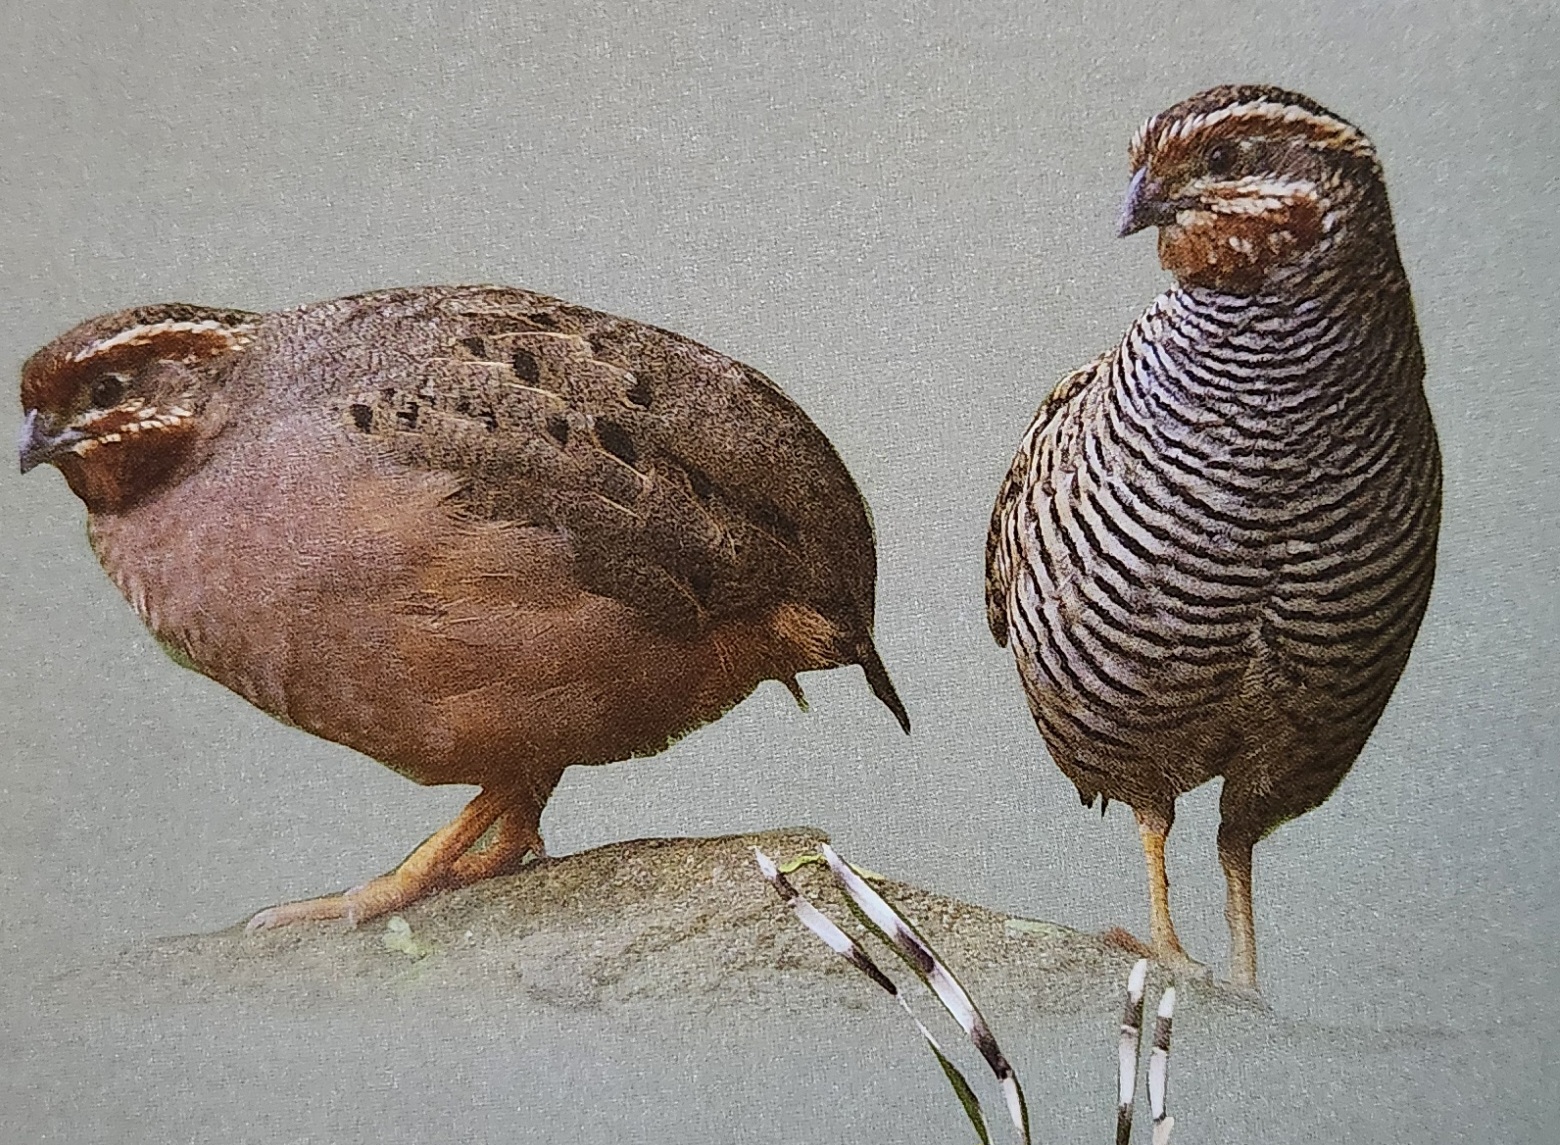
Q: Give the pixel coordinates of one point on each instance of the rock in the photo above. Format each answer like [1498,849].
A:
[649,991]
[638,924]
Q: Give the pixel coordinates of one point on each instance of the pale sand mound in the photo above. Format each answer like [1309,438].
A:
[659,991]
[655,920]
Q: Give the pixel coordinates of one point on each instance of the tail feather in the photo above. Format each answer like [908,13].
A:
[882,687]
[795,688]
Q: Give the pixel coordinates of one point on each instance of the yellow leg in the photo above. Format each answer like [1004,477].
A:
[1235,858]
[1153,830]
[514,840]
[435,865]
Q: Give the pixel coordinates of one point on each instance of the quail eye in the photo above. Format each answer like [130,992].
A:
[106,391]
[1221,158]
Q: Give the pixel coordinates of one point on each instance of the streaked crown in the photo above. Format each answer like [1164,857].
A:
[1243,111]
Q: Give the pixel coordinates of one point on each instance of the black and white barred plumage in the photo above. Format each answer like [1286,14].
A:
[1216,542]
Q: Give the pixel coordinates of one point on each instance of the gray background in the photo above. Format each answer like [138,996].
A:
[904,215]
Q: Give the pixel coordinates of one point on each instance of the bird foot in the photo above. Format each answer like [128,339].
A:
[1176,961]
[309,910]
[1120,938]
[475,866]
[1182,966]
[1247,990]
[376,897]
[407,884]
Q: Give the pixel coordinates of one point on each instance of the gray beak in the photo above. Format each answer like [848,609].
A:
[35,445]
[1146,205]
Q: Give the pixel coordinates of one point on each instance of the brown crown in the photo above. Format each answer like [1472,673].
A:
[125,342]
[1177,134]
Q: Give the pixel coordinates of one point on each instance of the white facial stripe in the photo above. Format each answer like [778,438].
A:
[146,418]
[1334,132]
[1257,195]
[92,417]
[236,335]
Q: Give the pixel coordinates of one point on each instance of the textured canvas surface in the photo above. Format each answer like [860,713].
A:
[905,216]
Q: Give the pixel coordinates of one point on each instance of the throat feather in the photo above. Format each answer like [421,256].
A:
[1238,250]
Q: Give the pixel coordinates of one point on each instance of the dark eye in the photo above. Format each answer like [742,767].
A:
[1221,158]
[107,391]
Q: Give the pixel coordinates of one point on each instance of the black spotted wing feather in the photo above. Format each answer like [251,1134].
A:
[690,486]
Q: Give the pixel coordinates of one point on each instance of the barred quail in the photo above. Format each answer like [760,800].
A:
[476,533]
[1213,549]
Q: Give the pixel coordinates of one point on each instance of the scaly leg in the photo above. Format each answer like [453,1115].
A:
[432,866]
[518,835]
[1153,828]
[1235,857]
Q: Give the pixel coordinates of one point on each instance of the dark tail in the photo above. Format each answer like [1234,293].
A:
[882,687]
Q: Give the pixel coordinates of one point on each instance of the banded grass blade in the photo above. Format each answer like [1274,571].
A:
[1159,1068]
[1127,1051]
[843,945]
[895,930]
[821,925]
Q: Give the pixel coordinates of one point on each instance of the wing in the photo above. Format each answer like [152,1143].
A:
[689,486]
[1000,549]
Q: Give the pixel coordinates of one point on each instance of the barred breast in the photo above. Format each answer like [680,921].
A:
[1221,546]
[1215,544]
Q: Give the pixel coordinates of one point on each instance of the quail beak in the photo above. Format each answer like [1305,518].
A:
[35,445]
[1146,205]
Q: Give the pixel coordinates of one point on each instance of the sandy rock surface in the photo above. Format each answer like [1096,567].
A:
[688,922]
[659,991]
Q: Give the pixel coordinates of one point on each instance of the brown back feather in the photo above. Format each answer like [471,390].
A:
[691,488]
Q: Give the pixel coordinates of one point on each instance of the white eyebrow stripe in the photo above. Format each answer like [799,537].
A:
[1334,130]
[138,334]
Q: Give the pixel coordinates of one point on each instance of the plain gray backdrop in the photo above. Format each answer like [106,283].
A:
[903,213]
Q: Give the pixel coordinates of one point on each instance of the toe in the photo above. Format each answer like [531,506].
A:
[309,910]
[1183,966]
[1119,938]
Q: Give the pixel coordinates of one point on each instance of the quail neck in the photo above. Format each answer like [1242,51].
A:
[1290,304]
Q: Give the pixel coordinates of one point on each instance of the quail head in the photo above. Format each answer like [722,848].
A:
[1214,546]
[475,533]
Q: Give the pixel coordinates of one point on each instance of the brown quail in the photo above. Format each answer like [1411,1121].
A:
[1213,549]
[476,533]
